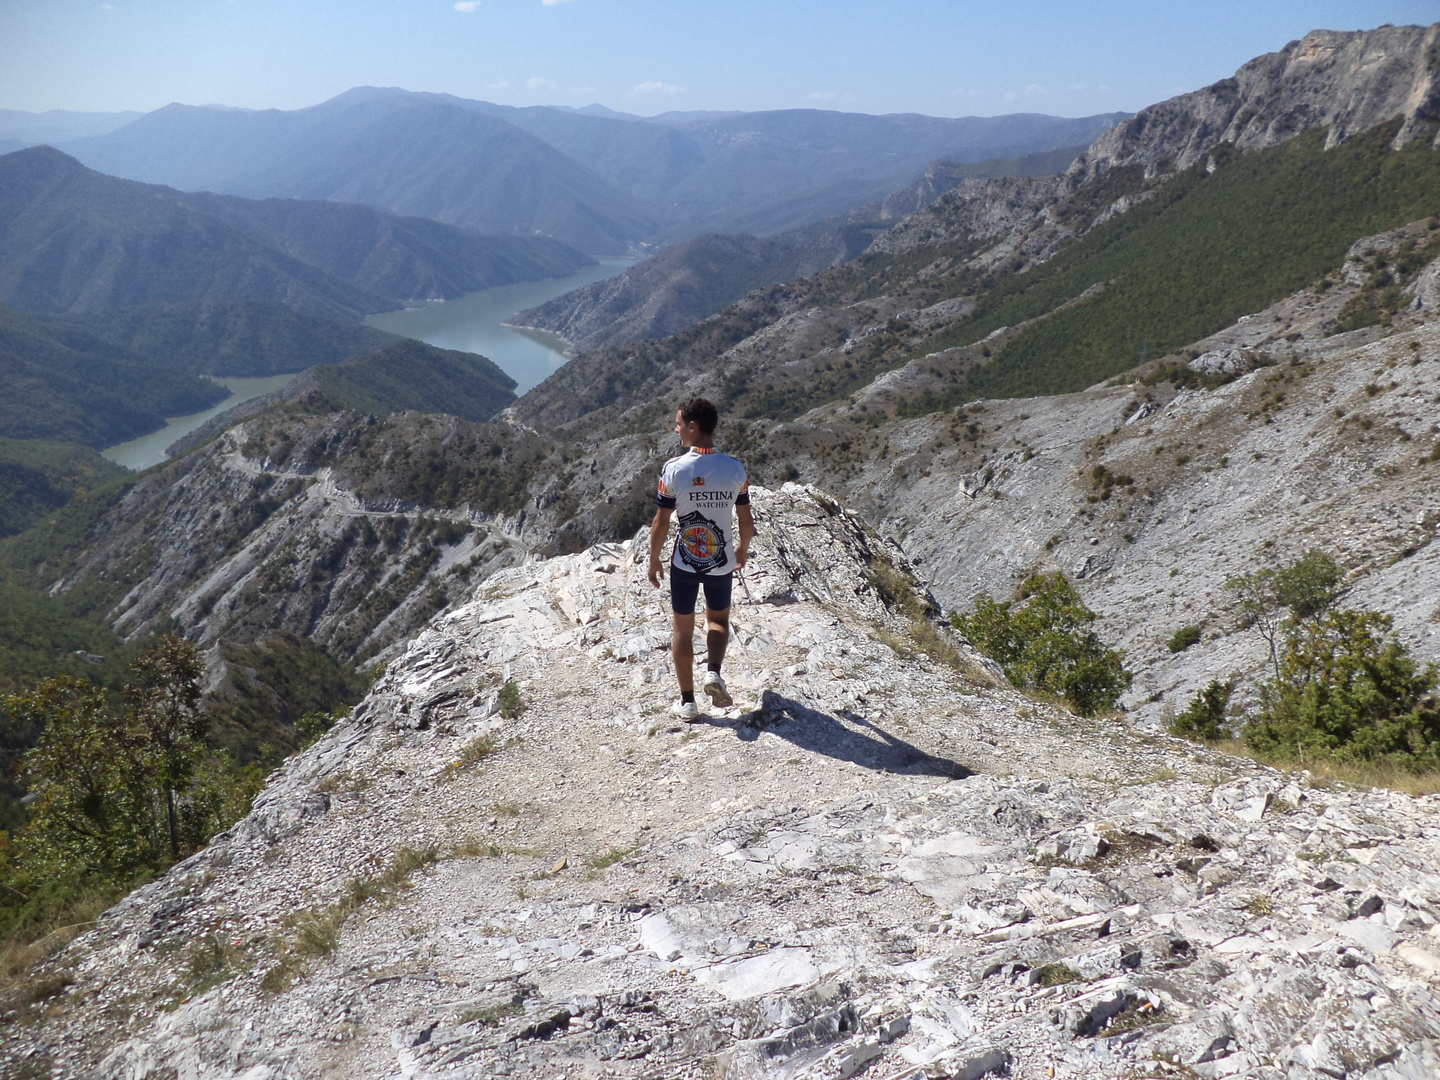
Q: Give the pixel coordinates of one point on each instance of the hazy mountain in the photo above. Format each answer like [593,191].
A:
[58,125]
[404,154]
[75,240]
[697,277]
[590,178]
[85,392]
[401,258]
[219,337]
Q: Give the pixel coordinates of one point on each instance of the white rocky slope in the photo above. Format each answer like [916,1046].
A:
[1326,442]
[876,863]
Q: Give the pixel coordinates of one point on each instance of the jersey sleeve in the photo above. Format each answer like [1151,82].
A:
[665,494]
[743,499]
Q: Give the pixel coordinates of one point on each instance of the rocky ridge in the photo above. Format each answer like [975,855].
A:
[875,863]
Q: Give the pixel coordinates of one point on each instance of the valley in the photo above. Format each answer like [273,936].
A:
[1172,372]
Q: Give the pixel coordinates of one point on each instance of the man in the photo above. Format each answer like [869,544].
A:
[709,489]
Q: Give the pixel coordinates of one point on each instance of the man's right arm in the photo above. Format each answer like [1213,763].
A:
[659,532]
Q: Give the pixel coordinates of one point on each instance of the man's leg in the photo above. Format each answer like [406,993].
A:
[717,636]
[682,649]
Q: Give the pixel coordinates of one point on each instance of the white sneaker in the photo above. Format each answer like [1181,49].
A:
[714,685]
[686,710]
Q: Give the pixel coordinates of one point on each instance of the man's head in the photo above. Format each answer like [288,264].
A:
[695,422]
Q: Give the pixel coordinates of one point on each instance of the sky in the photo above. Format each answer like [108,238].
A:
[940,57]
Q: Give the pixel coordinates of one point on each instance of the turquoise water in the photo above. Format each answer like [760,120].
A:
[149,449]
[472,323]
[475,323]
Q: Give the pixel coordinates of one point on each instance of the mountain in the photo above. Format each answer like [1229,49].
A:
[38,476]
[58,125]
[508,858]
[219,337]
[404,258]
[682,285]
[695,278]
[411,157]
[411,375]
[77,240]
[1342,82]
[601,183]
[83,390]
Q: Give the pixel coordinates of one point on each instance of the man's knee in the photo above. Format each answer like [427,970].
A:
[717,620]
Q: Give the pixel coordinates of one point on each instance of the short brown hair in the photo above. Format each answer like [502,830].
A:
[702,412]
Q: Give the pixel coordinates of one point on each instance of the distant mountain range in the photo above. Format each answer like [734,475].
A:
[695,278]
[75,240]
[127,292]
[603,182]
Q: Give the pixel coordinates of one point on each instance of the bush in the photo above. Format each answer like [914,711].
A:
[1204,718]
[510,702]
[1183,638]
[1046,644]
[1347,689]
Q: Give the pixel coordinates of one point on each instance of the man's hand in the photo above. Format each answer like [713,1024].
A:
[659,532]
[742,556]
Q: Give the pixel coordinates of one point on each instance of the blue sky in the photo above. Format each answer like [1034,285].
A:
[942,57]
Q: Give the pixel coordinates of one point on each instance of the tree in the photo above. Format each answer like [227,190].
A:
[1273,601]
[1349,689]
[164,701]
[1204,718]
[1046,644]
[92,811]
[123,791]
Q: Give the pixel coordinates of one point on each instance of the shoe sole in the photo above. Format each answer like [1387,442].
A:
[719,697]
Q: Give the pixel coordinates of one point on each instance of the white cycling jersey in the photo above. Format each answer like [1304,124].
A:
[703,487]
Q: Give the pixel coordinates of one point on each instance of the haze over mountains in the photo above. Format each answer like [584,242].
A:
[600,183]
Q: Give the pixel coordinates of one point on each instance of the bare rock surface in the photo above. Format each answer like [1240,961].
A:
[874,863]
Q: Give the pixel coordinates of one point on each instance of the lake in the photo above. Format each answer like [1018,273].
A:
[473,323]
[149,449]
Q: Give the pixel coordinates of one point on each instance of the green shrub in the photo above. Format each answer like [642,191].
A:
[510,701]
[1046,644]
[1183,638]
[1204,718]
[1347,689]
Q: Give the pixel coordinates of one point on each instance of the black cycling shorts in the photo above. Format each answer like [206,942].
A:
[685,587]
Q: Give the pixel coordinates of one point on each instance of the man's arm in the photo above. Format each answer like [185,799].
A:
[747,533]
[659,533]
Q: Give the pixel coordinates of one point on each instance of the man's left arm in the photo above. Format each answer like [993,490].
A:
[746,521]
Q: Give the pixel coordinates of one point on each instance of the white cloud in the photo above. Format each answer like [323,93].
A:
[652,88]
[1010,96]
[500,86]
[552,3]
[1033,89]
[540,84]
[467,6]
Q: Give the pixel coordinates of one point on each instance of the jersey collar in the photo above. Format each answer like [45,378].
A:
[703,450]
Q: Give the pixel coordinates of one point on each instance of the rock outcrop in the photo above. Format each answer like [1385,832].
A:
[1346,81]
[876,862]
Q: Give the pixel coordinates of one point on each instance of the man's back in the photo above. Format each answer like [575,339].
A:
[703,486]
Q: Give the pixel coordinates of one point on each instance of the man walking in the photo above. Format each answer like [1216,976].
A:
[710,490]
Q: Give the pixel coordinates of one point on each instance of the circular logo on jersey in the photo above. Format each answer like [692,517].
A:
[702,544]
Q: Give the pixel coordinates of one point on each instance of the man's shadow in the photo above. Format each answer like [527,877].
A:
[855,739]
